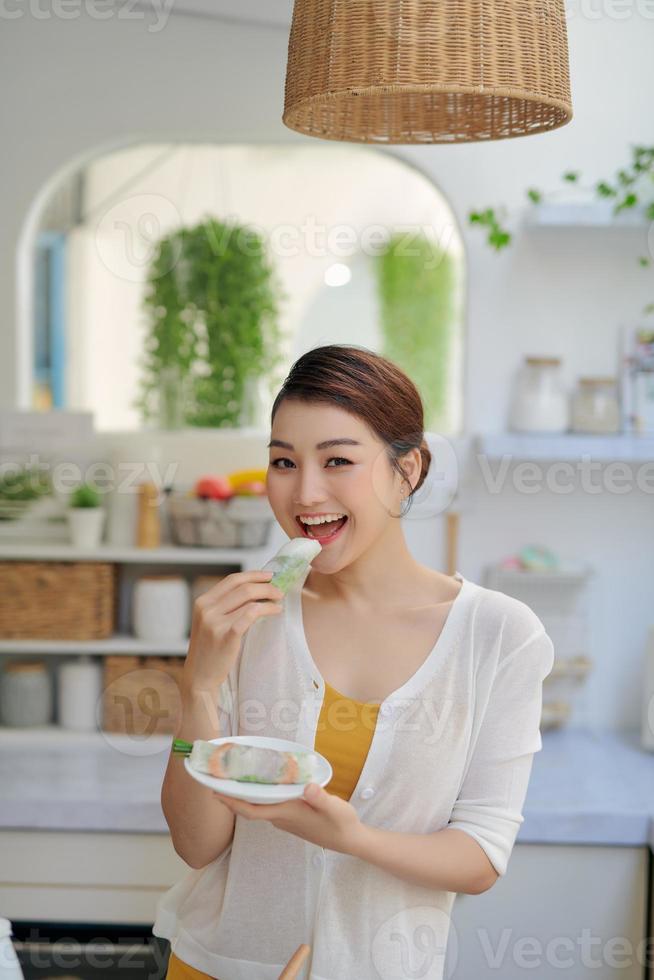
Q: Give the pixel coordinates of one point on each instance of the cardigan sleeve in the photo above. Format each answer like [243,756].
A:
[227,699]
[491,798]
[227,706]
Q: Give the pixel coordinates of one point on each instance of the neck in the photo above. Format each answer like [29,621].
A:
[386,569]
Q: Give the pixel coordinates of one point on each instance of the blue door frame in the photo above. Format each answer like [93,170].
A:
[49,316]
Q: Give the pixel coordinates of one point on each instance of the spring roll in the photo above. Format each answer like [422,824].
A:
[291,562]
[252,764]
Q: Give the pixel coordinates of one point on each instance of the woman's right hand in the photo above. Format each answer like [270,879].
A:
[221,617]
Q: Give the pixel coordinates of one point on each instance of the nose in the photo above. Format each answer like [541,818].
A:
[309,489]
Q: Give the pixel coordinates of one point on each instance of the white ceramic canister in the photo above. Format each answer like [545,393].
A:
[79,690]
[539,401]
[596,406]
[10,968]
[26,694]
[161,608]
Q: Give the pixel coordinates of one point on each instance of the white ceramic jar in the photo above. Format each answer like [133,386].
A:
[79,690]
[539,400]
[595,406]
[26,694]
[161,608]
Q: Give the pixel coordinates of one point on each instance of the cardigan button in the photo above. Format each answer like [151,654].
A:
[367,793]
[316,860]
[386,709]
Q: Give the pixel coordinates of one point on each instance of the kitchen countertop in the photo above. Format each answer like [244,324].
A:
[585,788]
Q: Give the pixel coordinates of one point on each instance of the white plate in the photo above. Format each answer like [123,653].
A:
[262,792]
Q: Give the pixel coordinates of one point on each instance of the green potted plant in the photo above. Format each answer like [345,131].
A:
[212,304]
[86,516]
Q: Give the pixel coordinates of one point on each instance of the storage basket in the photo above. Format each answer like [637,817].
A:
[141,695]
[49,600]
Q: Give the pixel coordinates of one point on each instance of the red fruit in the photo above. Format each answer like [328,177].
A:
[214,488]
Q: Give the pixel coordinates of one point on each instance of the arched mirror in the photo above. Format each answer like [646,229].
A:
[175,284]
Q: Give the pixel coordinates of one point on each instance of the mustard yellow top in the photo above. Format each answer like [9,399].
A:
[179,970]
[344,733]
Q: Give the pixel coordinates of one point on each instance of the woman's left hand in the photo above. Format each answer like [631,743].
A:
[318,817]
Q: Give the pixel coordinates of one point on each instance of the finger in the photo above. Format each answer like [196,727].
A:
[227,594]
[248,592]
[240,621]
[237,579]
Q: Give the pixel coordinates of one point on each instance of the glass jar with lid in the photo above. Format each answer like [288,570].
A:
[596,406]
[26,694]
[539,400]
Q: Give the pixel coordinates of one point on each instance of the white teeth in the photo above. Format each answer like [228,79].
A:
[321,520]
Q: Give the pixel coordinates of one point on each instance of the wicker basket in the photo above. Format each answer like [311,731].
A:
[241,522]
[48,600]
[140,695]
[427,71]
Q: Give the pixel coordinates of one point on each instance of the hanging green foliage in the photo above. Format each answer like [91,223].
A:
[212,303]
[417,283]
[631,187]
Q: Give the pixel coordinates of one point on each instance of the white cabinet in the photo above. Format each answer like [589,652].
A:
[560,911]
[65,876]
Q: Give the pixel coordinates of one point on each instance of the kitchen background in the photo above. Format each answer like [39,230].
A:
[176,114]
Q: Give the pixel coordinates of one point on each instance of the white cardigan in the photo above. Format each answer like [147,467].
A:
[452,747]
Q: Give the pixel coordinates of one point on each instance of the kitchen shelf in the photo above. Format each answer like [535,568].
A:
[119,643]
[583,214]
[565,575]
[170,555]
[47,736]
[567,446]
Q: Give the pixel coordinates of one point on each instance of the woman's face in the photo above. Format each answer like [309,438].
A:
[354,478]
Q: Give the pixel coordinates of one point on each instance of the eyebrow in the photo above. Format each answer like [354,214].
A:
[321,445]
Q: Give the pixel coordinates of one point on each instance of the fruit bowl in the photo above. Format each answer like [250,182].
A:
[240,522]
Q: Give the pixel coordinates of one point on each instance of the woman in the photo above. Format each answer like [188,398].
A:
[423,690]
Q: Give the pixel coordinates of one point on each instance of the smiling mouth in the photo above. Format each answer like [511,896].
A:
[325,530]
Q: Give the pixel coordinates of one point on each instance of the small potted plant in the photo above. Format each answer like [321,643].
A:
[86,516]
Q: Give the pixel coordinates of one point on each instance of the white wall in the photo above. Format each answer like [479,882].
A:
[81,86]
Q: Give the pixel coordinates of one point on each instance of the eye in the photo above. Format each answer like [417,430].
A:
[285,459]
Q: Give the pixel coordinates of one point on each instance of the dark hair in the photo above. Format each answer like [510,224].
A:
[369,386]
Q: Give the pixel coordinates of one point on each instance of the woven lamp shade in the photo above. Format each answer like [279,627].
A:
[427,71]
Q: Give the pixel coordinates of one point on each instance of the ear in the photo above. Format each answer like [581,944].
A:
[412,466]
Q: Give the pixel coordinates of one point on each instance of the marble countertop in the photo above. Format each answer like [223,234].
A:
[585,788]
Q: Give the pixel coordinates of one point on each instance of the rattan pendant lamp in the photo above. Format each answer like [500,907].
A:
[427,71]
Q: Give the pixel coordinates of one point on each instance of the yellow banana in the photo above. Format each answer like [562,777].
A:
[238,477]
